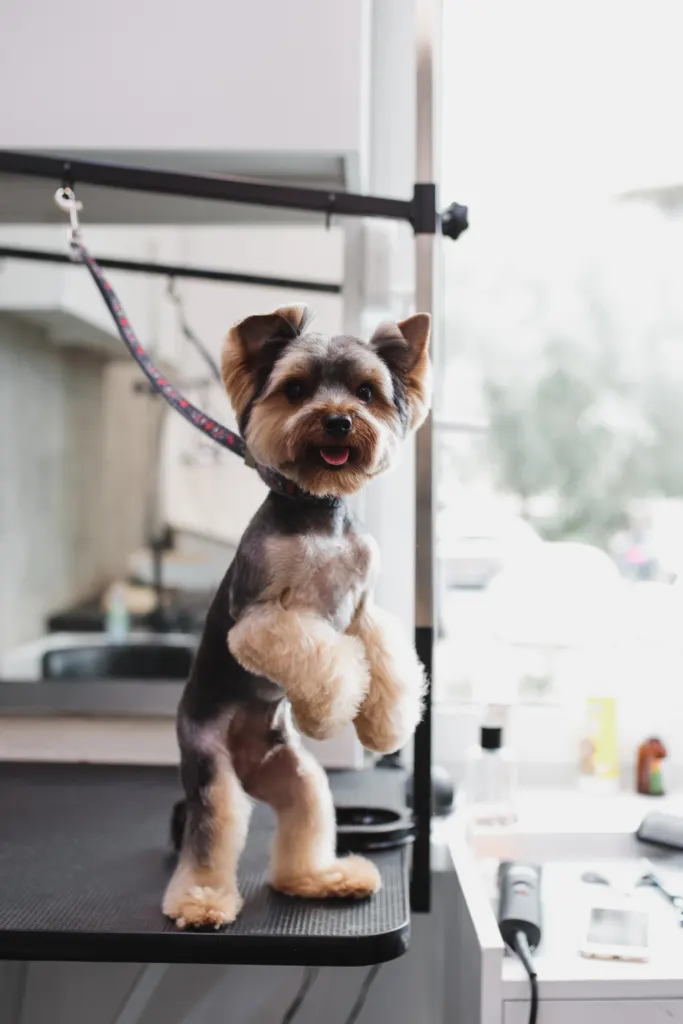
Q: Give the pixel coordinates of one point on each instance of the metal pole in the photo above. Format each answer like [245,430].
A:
[11,252]
[203,186]
[427,243]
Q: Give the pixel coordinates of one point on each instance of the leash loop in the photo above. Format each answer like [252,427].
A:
[65,198]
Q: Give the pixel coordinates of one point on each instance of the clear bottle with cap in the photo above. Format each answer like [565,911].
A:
[117,616]
[491,776]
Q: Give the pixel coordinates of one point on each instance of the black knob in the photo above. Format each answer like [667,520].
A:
[338,426]
[454,220]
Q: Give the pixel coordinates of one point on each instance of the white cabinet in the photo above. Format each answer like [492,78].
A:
[491,987]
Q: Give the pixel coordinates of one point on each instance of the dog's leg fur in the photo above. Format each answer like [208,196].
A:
[303,861]
[203,890]
[393,707]
[323,672]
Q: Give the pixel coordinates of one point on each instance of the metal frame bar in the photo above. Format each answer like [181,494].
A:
[176,270]
[427,296]
[204,186]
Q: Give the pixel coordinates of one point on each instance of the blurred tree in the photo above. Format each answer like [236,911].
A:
[580,363]
[573,438]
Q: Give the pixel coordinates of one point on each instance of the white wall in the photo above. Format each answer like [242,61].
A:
[42,287]
[51,525]
[215,77]
[76,461]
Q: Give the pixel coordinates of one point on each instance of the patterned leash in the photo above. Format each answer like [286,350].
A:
[66,200]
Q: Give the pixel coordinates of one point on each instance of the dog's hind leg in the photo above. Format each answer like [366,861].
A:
[303,861]
[203,891]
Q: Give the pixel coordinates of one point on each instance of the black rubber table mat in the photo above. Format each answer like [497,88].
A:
[84,859]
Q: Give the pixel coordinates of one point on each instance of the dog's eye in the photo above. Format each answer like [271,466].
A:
[364,392]
[294,390]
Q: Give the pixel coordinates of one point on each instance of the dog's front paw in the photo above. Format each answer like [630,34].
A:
[344,679]
[392,710]
[387,722]
[202,906]
[346,878]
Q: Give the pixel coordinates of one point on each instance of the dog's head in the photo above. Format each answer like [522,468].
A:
[326,412]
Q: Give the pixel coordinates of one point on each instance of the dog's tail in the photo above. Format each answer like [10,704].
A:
[178,819]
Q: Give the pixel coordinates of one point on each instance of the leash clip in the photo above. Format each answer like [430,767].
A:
[65,198]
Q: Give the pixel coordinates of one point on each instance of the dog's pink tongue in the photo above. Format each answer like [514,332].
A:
[335,456]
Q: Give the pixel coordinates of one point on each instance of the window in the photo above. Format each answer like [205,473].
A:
[560,408]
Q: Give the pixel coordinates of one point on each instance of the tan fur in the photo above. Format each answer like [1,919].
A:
[203,895]
[298,315]
[234,371]
[281,432]
[406,344]
[416,330]
[303,861]
[280,436]
[420,390]
[393,707]
[324,673]
[243,344]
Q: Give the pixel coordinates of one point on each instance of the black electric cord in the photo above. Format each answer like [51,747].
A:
[362,995]
[523,951]
[310,974]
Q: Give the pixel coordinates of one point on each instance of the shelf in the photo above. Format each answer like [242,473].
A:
[84,860]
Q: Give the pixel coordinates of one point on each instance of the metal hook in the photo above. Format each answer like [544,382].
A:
[172,291]
[65,198]
[329,213]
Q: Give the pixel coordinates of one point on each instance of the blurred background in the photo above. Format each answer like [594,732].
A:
[559,429]
[558,413]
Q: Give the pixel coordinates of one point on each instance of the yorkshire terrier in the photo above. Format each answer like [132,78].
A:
[293,624]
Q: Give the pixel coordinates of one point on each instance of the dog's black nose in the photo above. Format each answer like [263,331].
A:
[337,426]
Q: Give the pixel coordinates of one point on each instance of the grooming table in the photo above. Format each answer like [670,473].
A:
[85,857]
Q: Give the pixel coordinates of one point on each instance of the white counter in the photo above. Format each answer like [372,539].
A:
[567,833]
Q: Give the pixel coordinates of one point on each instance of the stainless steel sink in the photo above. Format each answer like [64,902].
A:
[93,656]
[146,656]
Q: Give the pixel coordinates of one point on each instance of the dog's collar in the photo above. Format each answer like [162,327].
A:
[279,484]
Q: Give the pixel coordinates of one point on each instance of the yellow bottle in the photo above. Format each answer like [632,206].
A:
[599,756]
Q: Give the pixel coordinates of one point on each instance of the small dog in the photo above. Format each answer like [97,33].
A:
[296,610]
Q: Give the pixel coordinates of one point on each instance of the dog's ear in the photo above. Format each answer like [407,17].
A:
[404,347]
[252,348]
